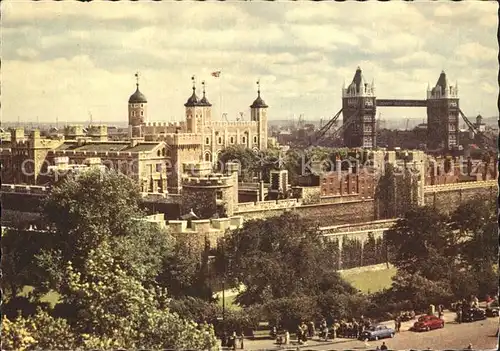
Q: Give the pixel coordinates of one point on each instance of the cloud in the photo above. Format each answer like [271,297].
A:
[67,58]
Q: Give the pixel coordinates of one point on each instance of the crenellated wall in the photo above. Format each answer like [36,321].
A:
[448,197]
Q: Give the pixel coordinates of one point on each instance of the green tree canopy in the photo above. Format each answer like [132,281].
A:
[419,240]
[279,257]
[95,207]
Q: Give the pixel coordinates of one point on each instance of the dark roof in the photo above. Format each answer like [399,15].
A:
[193,100]
[356,80]
[204,101]
[442,82]
[258,103]
[137,97]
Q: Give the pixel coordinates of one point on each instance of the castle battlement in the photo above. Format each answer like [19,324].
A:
[268,205]
[164,124]
[24,189]
[183,139]
[214,180]
[233,123]
[219,225]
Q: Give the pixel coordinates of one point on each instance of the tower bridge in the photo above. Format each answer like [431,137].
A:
[359,107]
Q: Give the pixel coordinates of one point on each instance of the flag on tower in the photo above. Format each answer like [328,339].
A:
[216,74]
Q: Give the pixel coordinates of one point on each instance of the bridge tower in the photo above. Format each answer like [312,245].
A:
[359,113]
[442,115]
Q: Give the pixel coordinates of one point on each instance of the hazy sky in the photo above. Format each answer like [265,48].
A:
[64,59]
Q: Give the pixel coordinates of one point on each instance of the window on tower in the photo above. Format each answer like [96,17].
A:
[243,140]
[220,140]
[207,141]
[142,113]
[255,140]
[232,140]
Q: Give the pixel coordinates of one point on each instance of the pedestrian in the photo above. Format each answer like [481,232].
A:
[384,346]
[287,337]
[469,347]
[299,334]
[242,345]
[459,313]
[310,330]
[355,327]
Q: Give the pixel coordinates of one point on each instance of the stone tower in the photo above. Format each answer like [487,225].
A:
[359,111]
[258,113]
[442,115]
[137,111]
[194,112]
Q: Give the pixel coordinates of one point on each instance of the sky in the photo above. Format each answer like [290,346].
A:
[69,60]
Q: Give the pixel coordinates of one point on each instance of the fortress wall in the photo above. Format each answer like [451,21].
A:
[449,197]
[326,214]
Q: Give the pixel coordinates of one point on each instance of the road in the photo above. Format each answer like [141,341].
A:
[453,336]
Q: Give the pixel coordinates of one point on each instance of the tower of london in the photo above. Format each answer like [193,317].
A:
[199,138]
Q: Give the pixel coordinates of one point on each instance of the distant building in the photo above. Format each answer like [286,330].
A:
[359,112]
[443,115]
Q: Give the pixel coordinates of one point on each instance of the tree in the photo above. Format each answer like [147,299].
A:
[245,157]
[279,257]
[185,272]
[116,308]
[476,228]
[18,267]
[289,312]
[94,207]
[417,239]
[420,291]
[40,331]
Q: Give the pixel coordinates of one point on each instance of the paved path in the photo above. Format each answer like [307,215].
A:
[453,336]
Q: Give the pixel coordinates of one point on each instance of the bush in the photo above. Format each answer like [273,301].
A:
[287,313]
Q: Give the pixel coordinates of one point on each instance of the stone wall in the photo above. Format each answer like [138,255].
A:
[448,197]
[326,214]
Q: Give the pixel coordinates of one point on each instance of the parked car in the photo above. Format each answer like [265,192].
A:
[426,323]
[492,309]
[377,332]
[473,314]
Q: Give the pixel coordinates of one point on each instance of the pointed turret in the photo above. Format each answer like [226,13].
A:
[204,100]
[193,99]
[258,103]
[442,82]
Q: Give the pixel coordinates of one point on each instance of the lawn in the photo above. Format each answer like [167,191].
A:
[229,302]
[370,281]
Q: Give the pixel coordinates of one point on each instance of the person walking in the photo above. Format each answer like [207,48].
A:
[242,338]
[325,331]
[287,337]
[459,313]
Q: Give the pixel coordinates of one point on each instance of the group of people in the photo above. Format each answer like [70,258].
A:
[463,306]
[307,331]
[232,340]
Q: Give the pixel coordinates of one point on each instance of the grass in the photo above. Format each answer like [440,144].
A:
[370,281]
[229,302]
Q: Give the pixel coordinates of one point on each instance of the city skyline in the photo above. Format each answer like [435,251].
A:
[63,60]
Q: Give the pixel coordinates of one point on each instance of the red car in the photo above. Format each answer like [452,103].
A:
[426,323]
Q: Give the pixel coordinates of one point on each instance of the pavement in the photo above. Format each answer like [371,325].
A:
[405,338]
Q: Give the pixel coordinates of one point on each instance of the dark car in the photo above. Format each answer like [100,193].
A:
[426,323]
[492,309]
[473,314]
